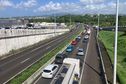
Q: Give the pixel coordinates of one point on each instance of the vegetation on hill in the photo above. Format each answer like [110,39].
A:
[105,20]
[107,38]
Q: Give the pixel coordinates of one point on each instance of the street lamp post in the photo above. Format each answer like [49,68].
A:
[55,24]
[98,24]
[115,48]
[70,22]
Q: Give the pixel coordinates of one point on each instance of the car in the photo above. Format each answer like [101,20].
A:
[69,48]
[86,37]
[74,42]
[59,58]
[82,33]
[78,38]
[85,40]
[88,31]
[80,52]
[49,71]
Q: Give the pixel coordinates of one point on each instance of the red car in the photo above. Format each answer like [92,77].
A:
[74,42]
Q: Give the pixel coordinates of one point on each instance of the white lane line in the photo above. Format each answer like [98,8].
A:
[48,47]
[59,41]
[84,60]
[25,60]
[37,80]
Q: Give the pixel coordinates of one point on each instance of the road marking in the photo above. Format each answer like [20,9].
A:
[25,60]
[37,79]
[29,52]
[59,41]
[29,65]
[84,60]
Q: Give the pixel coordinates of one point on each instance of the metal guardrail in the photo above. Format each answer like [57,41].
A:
[99,50]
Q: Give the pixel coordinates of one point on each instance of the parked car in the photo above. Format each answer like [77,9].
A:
[80,52]
[50,70]
[69,48]
[59,58]
[74,42]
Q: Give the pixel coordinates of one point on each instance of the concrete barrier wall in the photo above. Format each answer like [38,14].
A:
[6,45]
[21,32]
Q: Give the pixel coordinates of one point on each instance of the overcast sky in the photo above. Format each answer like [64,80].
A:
[9,8]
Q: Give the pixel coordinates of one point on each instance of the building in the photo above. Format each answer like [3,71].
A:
[10,22]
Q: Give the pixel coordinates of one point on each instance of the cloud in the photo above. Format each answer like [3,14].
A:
[5,3]
[26,4]
[95,6]
[50,7]
[91,1]
[58,7]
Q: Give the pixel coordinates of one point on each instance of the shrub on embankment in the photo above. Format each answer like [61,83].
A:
[107,38]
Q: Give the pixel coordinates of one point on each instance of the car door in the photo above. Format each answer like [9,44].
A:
[54,69]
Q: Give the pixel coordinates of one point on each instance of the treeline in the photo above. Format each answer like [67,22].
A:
[105,20]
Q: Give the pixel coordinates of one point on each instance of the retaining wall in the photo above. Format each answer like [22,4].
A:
[6,45]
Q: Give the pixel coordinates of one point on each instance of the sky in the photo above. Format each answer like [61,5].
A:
[14,8]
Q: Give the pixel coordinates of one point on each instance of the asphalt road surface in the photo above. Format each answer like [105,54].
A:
[92,72]
[80,44]
[16,63]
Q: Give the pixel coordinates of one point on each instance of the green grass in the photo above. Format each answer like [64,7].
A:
[107,38]
[29,71]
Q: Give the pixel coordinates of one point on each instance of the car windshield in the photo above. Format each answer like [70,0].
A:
[69,47]
[80,50]
[59,57]
[47,71]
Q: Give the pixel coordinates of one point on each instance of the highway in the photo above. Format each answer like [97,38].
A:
[80,44]
[91,72]
[18,62]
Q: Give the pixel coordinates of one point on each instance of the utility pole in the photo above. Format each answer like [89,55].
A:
[55,24]
[70,22]
[98,24]
[115,48]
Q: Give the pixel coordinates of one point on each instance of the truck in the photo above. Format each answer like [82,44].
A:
[69,72]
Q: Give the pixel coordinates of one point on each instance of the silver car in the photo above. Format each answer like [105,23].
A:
[80,52]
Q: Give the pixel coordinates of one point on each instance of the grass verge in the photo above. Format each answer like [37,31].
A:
[29,71]
[107,38]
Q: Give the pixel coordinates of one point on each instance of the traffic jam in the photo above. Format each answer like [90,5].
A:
[66,68]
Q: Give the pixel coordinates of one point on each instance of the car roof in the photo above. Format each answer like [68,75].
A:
[60,55]
[49,67]
[70,46]
[81,49]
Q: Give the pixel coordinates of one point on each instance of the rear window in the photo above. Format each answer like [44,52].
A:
[47,71]
[58,57]
[80,50]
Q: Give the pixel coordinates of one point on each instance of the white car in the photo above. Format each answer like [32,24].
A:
[86,37]
[88,31]
[50,70]
[80,52]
